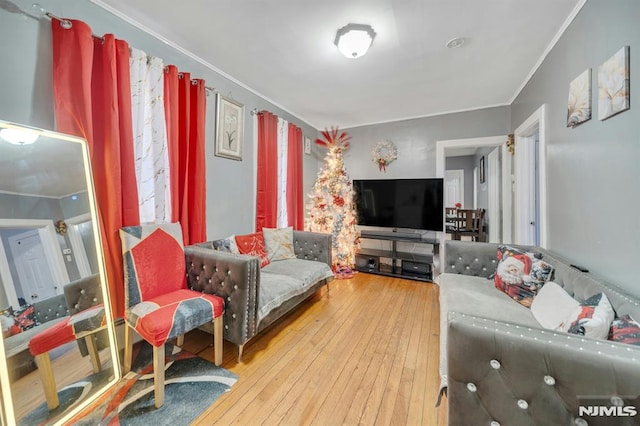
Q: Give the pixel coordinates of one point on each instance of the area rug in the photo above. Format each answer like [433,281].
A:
[191,385]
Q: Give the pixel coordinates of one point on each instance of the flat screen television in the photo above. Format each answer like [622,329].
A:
[400,203]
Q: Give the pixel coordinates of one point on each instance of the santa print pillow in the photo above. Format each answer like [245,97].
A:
[592,318]
[520,274]
[625,330]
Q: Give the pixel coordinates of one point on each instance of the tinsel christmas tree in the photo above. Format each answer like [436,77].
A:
[331,208]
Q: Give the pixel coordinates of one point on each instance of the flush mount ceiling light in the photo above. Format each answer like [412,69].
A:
[353,40]
[19,136]
[455,42]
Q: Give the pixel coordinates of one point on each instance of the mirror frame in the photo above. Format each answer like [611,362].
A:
[5,383]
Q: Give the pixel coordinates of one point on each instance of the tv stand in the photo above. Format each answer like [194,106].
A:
[420,267]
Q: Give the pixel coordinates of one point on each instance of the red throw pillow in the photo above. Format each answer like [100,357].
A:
[253,244]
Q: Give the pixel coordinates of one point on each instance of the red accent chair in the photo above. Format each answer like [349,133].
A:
[159,305]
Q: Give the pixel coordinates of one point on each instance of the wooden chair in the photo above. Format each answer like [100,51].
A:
[470,223]
[159,306]
[451,222]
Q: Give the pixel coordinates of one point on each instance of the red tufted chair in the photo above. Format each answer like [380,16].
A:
[159,306]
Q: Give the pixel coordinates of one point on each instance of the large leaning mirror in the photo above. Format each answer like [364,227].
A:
[58,351]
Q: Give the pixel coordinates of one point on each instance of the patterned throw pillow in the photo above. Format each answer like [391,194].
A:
[625,330]
[226,244]
[253,244]
[520,274]
[592,318]
[279,243]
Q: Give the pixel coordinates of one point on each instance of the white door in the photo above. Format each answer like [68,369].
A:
[453,187]
[494,184]
[35,278]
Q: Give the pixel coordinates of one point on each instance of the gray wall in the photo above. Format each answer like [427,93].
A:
[593,198]
[466,163]
[416,141]
[26,88]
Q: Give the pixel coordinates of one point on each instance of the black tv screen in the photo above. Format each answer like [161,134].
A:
[400,203]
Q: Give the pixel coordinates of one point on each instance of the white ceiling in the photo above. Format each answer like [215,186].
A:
[283,50]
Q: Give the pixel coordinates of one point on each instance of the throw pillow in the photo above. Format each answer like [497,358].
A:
[552,306]
[7,322]
[25,317]
[279,243]
[625,330]
[520,274]
[253,244]
[591,319]
[226,244]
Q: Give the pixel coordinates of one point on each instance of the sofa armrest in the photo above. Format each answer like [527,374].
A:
[235,278]
[50,309]
[312,246]
[514,374]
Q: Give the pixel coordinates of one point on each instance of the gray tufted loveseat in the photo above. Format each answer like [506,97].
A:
[256,298]
[498,366]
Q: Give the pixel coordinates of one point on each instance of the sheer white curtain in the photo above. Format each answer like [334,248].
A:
[283,153]
[150,139]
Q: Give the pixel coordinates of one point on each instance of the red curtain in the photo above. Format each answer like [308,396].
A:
[295,207]
[185,106]
[92,98]
[267,188]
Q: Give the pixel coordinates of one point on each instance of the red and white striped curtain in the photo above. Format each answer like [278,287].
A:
[147,160]
[279,179]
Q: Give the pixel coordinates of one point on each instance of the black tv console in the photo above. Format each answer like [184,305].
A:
[421,267]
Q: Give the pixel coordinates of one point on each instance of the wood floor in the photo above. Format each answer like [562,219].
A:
[366,353]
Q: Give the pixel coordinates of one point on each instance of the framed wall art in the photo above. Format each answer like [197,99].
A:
[579,104]
[613,84]
[229,128]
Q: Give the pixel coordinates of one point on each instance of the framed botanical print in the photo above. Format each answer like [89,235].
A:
[229,128]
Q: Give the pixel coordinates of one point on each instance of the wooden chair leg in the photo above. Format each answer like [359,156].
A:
[94,355]
[180,340]
[158,375]
[48,382]
[218,330]
[128,349]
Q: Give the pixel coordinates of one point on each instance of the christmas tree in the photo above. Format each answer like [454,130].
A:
[331,208]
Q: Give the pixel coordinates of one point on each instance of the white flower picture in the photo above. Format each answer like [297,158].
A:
[613,85]
[579,106]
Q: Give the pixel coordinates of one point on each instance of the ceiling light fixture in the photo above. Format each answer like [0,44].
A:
[19,136]
[353,40]
[455,42]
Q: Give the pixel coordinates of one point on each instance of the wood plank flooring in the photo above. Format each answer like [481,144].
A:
[365,353]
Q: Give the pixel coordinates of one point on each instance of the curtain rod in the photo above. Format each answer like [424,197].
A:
[66,24]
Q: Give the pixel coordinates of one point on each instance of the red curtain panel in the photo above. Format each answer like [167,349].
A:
[171,108]
[185,107]
[295,206]
[92,100]
[267,185]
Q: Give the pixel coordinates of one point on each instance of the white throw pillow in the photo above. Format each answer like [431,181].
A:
[592,318]
[278,243]
[552,306]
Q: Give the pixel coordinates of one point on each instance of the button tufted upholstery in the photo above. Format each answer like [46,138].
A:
[237,279]
[500,366]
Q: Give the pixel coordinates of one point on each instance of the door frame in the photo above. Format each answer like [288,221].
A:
[79,250]
[52,252]
[496,141]
[524,173]
[495,218]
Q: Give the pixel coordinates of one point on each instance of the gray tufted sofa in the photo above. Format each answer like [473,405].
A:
[256,298]
[498,366]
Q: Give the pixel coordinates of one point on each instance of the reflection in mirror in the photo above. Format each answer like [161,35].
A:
[58,352]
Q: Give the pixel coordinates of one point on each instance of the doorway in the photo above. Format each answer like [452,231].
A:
[530,196]
[453,187]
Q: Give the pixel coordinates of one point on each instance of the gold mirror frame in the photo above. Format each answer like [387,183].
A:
[8,398]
